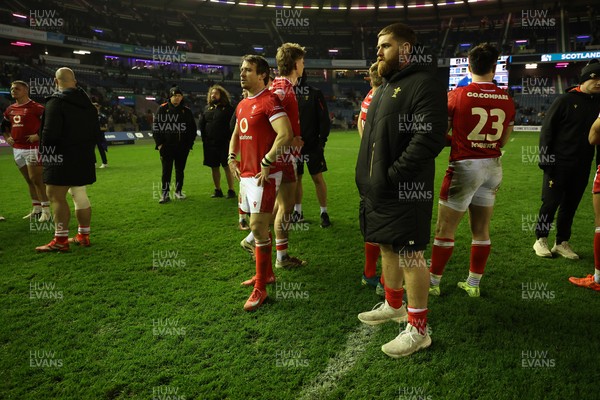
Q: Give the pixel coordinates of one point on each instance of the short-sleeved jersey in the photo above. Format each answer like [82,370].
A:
[480,113]
[254,116]
[284,89]
[24,120]
[364,107]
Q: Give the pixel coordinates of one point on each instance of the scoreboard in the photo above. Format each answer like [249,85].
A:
[460,76]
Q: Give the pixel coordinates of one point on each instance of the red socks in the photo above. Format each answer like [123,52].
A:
[418,319]
[394,297]
[264,263]
[480,251]
[371,255]
[440,254]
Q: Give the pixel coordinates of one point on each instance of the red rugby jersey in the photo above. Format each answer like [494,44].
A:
[25,119]
[480,113]
[254,116]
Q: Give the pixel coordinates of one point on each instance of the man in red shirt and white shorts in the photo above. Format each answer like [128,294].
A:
[481,117]
[261,131]
[21,126]
[290,62]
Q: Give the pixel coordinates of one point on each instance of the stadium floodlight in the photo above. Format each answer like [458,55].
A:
[19,16]
[531,66]
[561,65]
[81,52]
[20,44]
[521,41]
[149,98]
[181,42]
[333,51]
[98,30]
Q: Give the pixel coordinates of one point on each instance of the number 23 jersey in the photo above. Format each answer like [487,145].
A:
[479,113]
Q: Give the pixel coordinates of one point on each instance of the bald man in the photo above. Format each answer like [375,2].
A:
[70,130]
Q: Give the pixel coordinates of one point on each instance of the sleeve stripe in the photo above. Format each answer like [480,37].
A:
[276,116]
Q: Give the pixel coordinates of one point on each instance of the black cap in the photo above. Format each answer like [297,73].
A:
[590,71]
[175,90]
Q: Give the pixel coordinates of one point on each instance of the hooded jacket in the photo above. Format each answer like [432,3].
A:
[564,138]
[404,132]
[70,131]
[174,126]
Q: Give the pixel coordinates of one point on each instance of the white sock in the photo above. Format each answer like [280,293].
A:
[281,254]
[434,280]
[323,210]
[474,278]
[250,238]
[597,275]
[298,208]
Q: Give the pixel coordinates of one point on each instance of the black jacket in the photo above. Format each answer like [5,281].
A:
[314,117]
[70,131]
[564,138]
[404,132]
[214,125]
[174,126]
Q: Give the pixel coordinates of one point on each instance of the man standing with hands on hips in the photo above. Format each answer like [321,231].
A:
[261,131]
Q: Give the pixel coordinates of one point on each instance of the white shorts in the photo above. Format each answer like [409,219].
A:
[25,157]
[471,182]
[256,199]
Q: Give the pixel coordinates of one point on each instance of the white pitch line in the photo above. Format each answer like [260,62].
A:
[339,365]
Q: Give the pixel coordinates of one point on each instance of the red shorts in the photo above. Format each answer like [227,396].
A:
[289,172]
[596,189]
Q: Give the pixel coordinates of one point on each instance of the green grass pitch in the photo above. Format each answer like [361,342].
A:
[154,308]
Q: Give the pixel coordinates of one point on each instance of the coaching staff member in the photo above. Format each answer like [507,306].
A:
[174,132]
[566,157]
[314,128]
[405,130]
[216,133]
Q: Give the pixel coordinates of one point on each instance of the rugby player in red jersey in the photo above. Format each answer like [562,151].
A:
[261,131]
[481,117]
[21,126]
[290,62]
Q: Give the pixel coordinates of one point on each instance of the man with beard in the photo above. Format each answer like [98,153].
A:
[404,132]
[214,125]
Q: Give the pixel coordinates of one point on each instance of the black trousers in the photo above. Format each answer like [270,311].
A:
[170,155]
[102,154]
[562,190]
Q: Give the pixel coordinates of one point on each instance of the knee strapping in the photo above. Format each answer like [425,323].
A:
[80,197]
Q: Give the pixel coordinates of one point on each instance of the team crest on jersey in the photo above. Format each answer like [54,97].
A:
[253,108]
[396,91]
[280,93]
[254,203]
